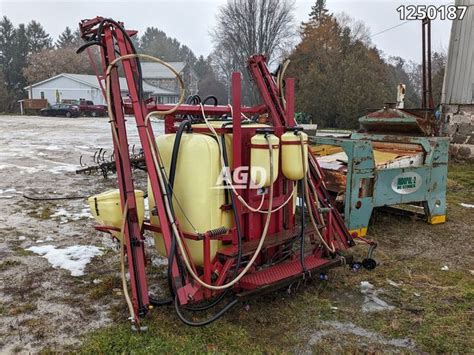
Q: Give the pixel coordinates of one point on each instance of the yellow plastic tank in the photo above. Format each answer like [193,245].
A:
[198,190]
[260,159]
[106,208]
[292,165]
[228,136]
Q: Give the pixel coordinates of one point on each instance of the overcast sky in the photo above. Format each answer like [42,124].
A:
[191,21]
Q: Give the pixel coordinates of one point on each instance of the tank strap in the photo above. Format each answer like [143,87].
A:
[293,142]
[263,146]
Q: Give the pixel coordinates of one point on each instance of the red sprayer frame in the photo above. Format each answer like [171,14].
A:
[114,42]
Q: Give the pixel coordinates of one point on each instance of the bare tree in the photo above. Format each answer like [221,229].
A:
[359,30]
[247,27]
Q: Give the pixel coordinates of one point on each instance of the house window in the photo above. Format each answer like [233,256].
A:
[42,94]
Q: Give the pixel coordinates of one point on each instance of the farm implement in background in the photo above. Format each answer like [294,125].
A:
[395,161]
[102,162]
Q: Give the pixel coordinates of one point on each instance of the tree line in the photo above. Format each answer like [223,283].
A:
[339,72]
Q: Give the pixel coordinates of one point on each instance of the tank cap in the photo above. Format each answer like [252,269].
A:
[294,129]
[266,130]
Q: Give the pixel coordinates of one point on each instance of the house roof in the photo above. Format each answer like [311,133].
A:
[91,80]
[152,70]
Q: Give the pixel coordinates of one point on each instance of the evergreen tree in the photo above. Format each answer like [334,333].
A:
[318,11]
[209,84]
[20,54]
[67,39]
[155,42]
[38,39]
[202,66]
[7,48]
[4,99]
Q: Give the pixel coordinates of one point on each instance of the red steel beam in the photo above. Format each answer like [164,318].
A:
[132,233]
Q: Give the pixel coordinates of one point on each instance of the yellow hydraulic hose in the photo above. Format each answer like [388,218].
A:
[122,265]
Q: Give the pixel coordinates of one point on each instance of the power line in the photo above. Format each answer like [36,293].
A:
[390,28]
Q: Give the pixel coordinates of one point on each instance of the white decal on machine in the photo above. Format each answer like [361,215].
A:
[406,183]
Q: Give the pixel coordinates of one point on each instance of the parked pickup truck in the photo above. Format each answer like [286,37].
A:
[87,108]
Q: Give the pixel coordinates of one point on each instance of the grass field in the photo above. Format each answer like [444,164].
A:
[432,308]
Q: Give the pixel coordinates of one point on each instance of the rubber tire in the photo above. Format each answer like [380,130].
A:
[68,114]
[369,264]
[94,114]
[44,114]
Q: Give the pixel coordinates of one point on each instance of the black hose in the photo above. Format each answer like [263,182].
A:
[35,198]
[174,155]
[169,195]
[159,303]
[205,322]
[193,100]
[132,46]
[170,185]
[210,97]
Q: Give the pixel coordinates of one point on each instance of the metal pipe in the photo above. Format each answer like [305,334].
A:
[423,64]
[429,88]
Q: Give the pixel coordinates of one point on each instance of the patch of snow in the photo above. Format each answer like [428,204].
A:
[147,208]
[39,241]
[336,327]
[150,242]
[73,258]
[9,190]
[62,169]
[21,169]
[66,216]
[372,303]
[445,268]
[48,238]
[365,286]
[393,283]
[159,261]
[467,205]
[22,237]
[53,147]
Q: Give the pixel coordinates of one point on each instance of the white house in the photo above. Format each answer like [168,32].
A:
[80,86]
[158,75]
